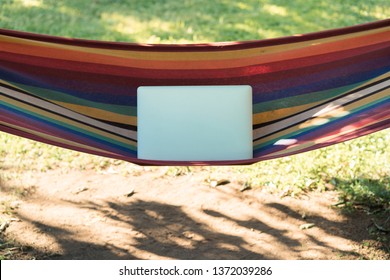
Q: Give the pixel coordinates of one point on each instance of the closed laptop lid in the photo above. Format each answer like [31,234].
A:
[194,123]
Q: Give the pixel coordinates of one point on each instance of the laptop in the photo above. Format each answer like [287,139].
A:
[194,123]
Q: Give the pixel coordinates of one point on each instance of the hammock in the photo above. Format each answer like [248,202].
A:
[309,91]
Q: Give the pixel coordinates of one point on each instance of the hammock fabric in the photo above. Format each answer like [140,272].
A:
[309,91]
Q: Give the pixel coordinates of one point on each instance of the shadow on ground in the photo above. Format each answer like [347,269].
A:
[152,230]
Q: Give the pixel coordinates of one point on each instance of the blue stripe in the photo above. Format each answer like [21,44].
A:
[111,147]
[108,93]
[261,94]
[270,148]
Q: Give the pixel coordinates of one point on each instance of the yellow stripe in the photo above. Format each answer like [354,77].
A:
[11,85]
[284,112]
[281,113]
[85,110]
[193,55]
[69,122]
[322,118]
[293,149]
[98,113]
[346,130]
[55,139]
[303,146]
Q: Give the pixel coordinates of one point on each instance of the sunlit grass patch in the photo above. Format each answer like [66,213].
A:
[185,21]
[359,169]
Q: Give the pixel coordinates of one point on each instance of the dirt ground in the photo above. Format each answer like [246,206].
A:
[152,215]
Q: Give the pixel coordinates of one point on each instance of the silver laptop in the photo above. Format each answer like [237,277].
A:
[194,123]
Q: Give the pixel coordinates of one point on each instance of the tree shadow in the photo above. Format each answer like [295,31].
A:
[73,249]
[358,226]
[162,230]
[166,231]
[139,228]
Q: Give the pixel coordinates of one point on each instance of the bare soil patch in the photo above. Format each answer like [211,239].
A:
[152,215]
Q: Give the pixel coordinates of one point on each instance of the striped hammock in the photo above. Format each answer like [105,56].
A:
[309,91]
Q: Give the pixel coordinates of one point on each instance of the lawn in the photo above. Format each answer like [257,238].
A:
[358,169]
[186,21]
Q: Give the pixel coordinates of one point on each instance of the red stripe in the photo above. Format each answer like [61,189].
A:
[199,47]
[349,136]
[248,75]
[62,145]
[117,70]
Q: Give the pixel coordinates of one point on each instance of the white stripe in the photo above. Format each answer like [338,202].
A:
[55,139]
[315,112]
[68,113]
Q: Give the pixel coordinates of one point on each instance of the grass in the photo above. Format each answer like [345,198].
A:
[347,167]
[358,169]
[185,21]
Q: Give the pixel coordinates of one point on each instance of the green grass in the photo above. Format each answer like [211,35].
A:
[172,21]
[359,169]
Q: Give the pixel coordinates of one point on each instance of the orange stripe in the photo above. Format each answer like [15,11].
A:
[242,57]
[194,55]
[281,113]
